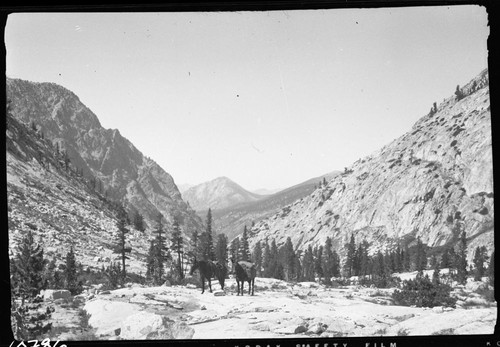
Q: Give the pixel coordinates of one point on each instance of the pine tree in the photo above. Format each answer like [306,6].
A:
[49,273]
[221,248]
[244,247]
[138,221]
[318,266]
[356,264]
[328,260]
[210,254]
[406,258]
[435,273]
[275,268]
[235,249]
[194,252]
[350,257]
[364,259]
[288,260]
[461,259]
[392,262]
[480,257]
[120,246]
[70,275]
[151,263]
[114,275]
[160,250]
[297,265]
[453,260]
[279,273]
[420,256]
[336,264]
[266,257]
[177,243]
[27,268]
[308,264]
[458,93]
[445,259]
[257,258]
[380,270]
[491,269]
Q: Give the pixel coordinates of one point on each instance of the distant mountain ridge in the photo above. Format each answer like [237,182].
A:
[218,193]
[232,219]
[264,191]
[126,174]
[432,182]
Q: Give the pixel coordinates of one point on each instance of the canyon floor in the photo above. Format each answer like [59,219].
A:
[277,310]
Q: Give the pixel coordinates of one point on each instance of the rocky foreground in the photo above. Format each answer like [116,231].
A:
[278,309]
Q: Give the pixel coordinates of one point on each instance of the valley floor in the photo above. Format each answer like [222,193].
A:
[280,309]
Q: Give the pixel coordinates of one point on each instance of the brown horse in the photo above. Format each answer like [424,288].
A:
[209,269]
[245,271]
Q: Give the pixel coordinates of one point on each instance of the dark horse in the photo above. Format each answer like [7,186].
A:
[209,269]
[245,271]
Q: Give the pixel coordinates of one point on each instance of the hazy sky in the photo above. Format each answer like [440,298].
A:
[268,99]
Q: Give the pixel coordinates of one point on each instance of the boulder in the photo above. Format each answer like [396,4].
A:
[54,294]
[107,316]
[166,284]
[262,326]
[147,326]
[437,309]
[316,328]
[219,293]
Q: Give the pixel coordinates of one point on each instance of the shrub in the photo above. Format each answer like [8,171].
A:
[380,281]
[422,292]
[448,331]
[29,319]
[403,332]
[487,293]
[382,331]
[114,276]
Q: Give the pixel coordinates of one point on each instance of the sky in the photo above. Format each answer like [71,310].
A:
[266,98]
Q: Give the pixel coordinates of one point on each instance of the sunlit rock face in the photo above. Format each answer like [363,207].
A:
[432,182]
[126,174]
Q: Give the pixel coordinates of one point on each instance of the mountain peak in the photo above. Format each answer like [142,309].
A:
[218,193]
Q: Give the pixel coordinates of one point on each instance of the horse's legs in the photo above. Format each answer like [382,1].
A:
[253,285]
[202,284]
[242,286]
[249,287]
[210,284]
[238,285]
